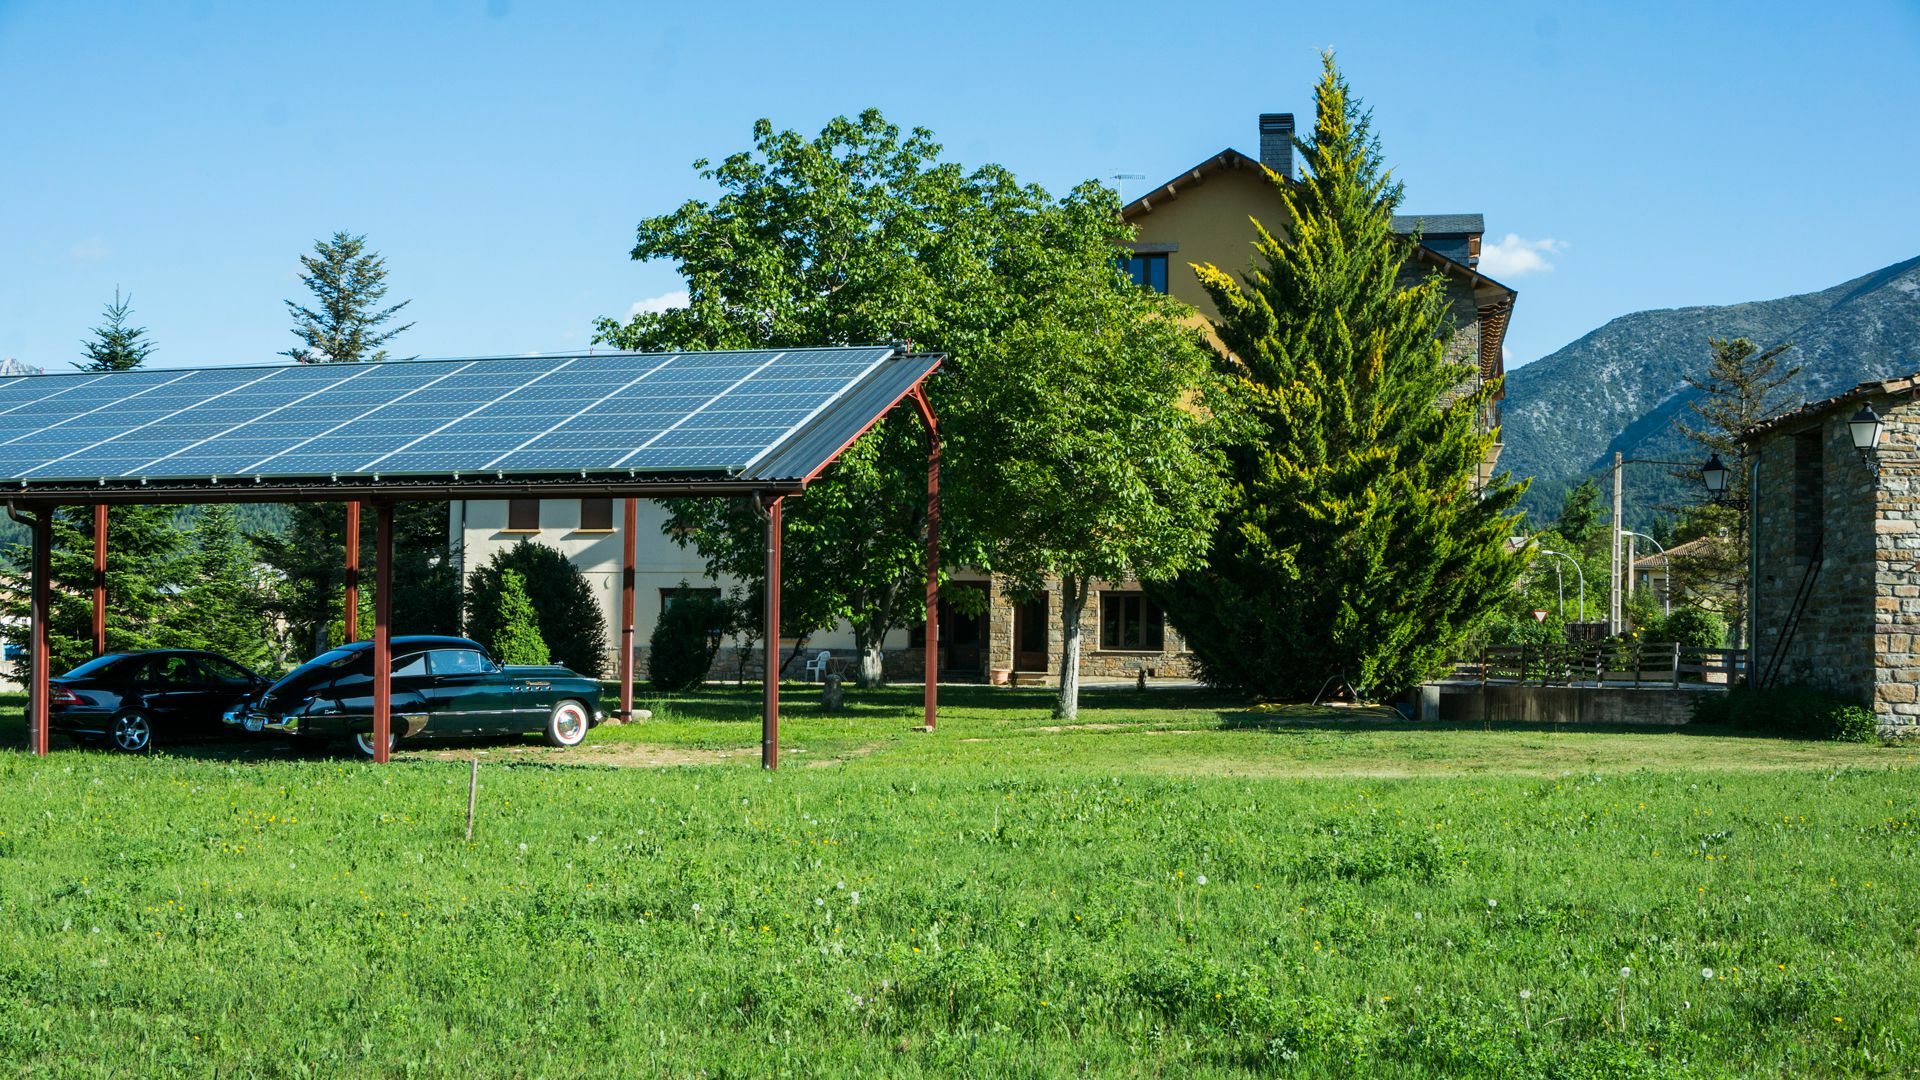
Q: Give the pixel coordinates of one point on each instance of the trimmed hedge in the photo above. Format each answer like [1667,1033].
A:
[1800,712]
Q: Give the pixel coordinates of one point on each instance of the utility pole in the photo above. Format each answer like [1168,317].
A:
[1613,553]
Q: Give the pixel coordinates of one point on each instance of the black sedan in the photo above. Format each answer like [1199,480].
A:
[127,700]
[442,687]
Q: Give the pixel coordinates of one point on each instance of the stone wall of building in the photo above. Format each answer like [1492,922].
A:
[1896,581]
[1813,493]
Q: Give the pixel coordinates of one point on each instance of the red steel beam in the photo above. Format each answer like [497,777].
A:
[933,553]
[353,572]
[40,612]
[100,579]
[770,711]
[382,630]
[629,525]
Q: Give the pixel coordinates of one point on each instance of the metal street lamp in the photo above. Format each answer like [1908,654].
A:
[1581,574]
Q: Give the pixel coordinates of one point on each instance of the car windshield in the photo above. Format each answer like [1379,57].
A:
[97,666]
[223,670]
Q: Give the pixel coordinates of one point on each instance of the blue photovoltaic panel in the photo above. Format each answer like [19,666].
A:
[621,413]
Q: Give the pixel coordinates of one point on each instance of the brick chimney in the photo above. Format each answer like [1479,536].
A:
[1276,142]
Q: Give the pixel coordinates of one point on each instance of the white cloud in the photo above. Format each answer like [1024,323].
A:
[1516,256]
[91,251]
[656,304]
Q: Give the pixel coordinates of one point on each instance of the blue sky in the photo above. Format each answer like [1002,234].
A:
[500,153]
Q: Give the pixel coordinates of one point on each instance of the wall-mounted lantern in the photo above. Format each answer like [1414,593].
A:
[1866,427]
[1714,475]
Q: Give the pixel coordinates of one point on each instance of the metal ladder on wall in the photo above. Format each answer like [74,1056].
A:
[1778,657]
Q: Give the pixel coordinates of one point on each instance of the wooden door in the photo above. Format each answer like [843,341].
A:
[1030,635]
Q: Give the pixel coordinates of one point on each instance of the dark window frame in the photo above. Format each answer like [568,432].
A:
[517,509]
[1809,491]
[596,515]
[669,595]
[1147,269]
[1130,622]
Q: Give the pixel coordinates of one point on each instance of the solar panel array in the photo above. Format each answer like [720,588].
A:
[611,413]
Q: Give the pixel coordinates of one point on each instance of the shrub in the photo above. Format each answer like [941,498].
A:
[1801,712]
[683,644]
[568,615]
[1694,627]
[516,633]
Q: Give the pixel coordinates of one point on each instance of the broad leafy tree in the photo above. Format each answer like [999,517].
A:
[347,322]
[116,346]
[1355,544]
[1106,423]
[863,235]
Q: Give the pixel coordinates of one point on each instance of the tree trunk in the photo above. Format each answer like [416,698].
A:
[1073,600]
[872,665]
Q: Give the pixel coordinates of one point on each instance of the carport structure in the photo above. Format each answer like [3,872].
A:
[758,425]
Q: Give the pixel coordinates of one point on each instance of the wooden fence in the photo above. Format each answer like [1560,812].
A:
[1646,665]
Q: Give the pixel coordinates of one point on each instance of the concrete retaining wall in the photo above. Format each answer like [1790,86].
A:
[1472,703]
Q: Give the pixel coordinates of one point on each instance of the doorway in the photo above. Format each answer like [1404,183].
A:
[1030,635]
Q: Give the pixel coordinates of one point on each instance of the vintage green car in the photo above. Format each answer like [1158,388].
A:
[443,687]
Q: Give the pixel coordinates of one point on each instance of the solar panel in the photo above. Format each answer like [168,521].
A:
[617,414]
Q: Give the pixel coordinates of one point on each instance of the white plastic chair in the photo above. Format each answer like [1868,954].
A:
[817,667]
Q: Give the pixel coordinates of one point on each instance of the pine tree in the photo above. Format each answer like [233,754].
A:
[515,630]
[309,559]
[115,345]
[1356,544]
[1743,385]
[224,604]
[348,282]
[145,571]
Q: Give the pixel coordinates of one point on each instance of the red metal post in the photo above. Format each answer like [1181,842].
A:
[353,572]
[100,579]
[933,554]
[40,613]
[629,525]
[770,713]
[382,630]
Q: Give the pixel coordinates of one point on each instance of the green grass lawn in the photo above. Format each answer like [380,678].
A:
[1175,886]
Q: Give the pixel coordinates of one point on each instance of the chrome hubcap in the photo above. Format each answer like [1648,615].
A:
[364,741]
[570,723]
[132,733]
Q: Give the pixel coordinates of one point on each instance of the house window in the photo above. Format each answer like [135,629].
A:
[1809,492]
[596,515]
[523,515]
[1129,622]
[668,597]
[1149,271]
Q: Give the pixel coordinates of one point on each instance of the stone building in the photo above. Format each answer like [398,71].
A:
[1835,590]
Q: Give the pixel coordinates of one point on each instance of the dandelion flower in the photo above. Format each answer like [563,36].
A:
[1492,903]
[696,909]
[856,896]
[1706,973]
[1200,880]
[1626,972]
[1526,995]
[817,902]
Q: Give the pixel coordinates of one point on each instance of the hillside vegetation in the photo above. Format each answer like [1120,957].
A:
[1621,386]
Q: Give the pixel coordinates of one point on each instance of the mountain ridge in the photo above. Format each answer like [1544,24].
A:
[1622,385]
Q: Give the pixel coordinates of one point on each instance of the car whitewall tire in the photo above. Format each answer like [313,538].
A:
[363,743]
[568,724]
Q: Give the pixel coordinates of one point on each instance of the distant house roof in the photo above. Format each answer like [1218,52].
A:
[1905,384]
[1692,548]
[1439,224]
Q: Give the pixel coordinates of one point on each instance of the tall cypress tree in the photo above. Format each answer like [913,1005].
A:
[1356,544]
